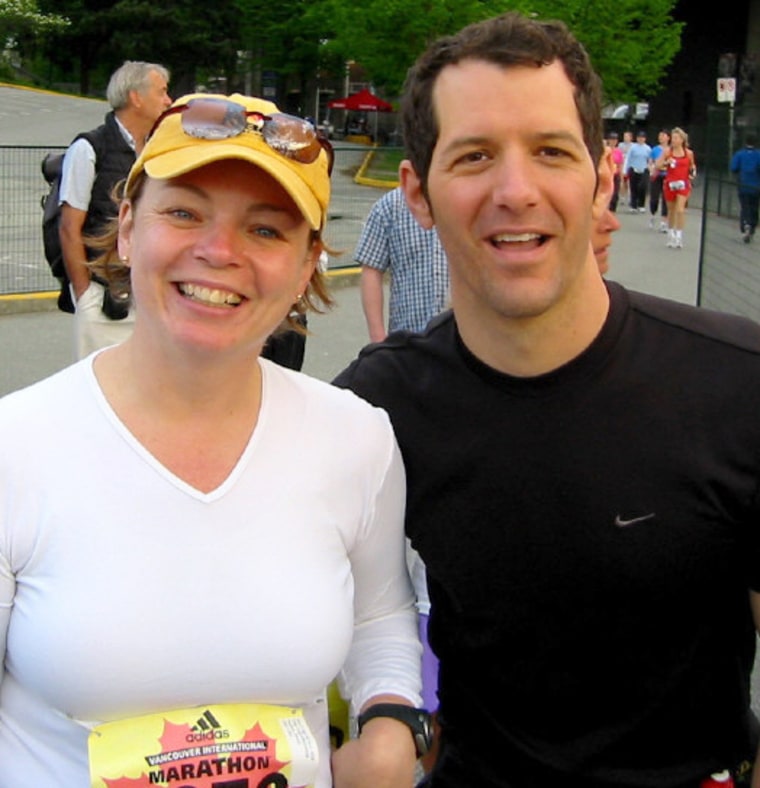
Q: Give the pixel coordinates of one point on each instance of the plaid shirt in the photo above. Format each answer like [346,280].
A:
[391,238]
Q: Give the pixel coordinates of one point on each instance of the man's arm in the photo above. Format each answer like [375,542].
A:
[77,179]
[73,248]
[384,754]
[371,286]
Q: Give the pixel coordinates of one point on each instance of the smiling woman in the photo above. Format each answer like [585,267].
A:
[184,499]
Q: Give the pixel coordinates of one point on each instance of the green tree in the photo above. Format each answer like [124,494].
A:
[19,17]
[83,50]
[186,36]
[386,36]
[22,27]
[288,38]
[631,42]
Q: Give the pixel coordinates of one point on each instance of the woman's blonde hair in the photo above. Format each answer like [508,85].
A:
[684,135]
[115,272]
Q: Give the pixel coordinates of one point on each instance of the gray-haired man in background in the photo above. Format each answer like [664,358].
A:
[94,163]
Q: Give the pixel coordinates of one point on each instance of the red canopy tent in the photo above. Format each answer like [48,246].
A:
[363,101]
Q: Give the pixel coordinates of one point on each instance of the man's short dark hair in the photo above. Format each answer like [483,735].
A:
[510,39]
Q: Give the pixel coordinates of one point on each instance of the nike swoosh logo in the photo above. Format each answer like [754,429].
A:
[621,523]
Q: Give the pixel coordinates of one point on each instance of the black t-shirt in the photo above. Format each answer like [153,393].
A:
[589,537]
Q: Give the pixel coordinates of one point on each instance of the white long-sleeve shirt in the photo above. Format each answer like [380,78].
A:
[124,591]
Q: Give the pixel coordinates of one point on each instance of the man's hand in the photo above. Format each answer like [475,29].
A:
[73,248]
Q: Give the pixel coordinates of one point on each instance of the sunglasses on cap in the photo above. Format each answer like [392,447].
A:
[222,119]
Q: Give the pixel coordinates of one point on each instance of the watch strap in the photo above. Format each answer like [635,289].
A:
[417,720]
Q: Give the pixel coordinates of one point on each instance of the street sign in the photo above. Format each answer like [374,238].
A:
[727,90]
[642,110]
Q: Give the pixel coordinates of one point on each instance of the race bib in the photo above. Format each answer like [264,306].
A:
[248,745]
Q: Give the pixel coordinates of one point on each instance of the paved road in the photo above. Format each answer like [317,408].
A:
[38,117]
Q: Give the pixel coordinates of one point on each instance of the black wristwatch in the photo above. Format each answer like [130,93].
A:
[417,720]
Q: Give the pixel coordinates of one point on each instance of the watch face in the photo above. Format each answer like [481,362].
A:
[424,737]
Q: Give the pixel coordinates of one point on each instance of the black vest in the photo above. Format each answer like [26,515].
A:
[113,160]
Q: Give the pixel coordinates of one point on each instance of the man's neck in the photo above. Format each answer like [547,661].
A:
[532,346]
[135,126]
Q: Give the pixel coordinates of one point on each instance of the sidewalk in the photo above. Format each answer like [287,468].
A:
[36,344]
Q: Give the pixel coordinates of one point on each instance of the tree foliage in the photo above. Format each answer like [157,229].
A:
[284,37]
[386,36]
[183,35]
[631,42]
[23,18]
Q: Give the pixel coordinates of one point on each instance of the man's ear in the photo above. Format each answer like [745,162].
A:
[604,184]
[135,99]
[415,198]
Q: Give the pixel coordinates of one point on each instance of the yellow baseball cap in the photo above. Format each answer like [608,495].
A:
[202,128]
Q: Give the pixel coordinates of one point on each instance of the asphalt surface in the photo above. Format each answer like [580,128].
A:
[38,117]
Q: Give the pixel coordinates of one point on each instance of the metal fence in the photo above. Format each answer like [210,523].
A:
[729,271]
[22,265]
[23,268]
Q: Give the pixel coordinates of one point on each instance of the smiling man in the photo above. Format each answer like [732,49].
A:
[583,461]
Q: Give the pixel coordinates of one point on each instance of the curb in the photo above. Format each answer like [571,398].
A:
[48,91]
[31,88]
[19,303]
[376,182]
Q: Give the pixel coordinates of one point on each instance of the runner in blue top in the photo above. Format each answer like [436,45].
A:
[636,167]
[745,164]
